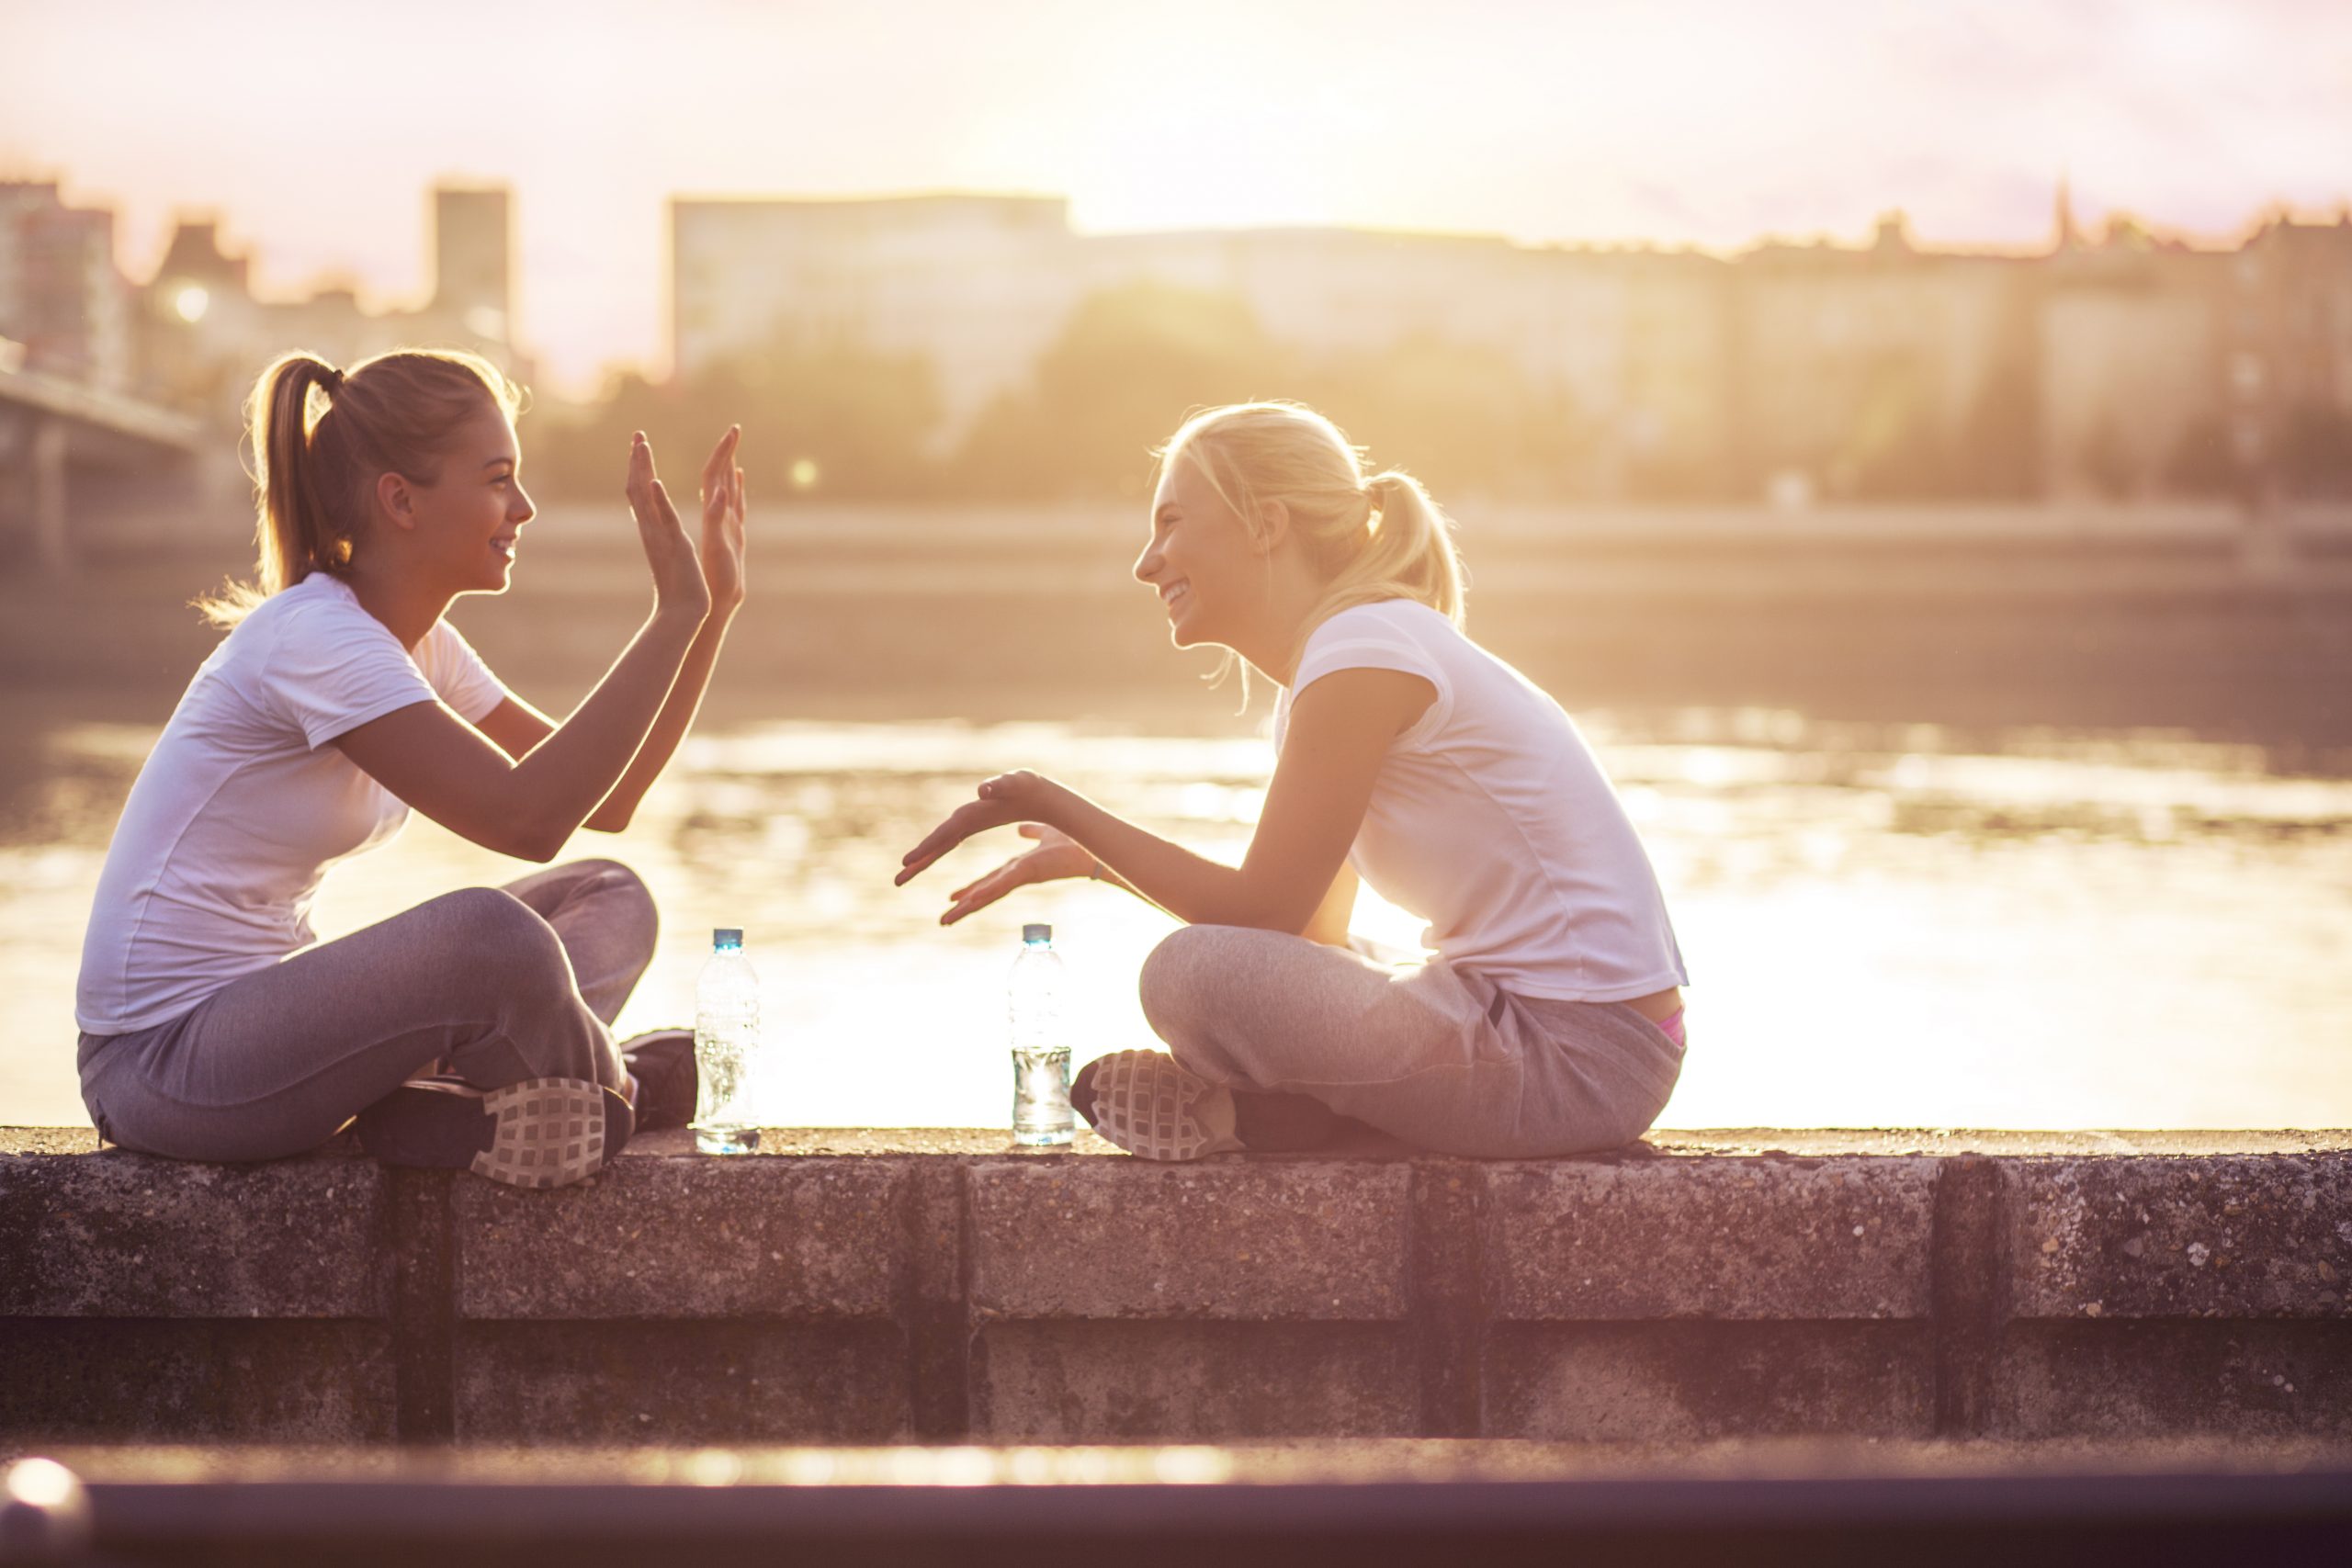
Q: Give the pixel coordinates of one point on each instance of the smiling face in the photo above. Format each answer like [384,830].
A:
[467,520]
[1203,562]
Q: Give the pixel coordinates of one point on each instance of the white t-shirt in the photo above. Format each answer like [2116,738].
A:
[243,804]
[1492,820]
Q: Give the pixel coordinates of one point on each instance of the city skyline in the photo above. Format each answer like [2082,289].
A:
[1680,125]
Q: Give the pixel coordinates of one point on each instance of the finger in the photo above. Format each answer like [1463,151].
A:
[935,844]
[723,457]
[1032,830]
[915,868]
[738,498]
[979,895]
[663,512]
[640,467]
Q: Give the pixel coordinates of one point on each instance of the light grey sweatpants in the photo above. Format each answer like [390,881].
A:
[1434,1054]
[507,983]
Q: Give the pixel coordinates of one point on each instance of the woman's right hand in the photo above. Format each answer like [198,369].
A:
[678,585]
[1056,856]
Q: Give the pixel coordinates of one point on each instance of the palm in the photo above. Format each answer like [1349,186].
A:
[1057,855]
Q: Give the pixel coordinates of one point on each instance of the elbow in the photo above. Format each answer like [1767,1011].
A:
[608,822]
[1284,915]
[536,841]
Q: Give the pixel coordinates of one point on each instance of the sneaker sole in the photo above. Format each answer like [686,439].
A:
[549,1133]
[1144,1103]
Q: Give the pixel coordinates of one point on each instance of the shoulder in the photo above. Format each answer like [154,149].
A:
[1381,618]
[320,603]
[1390,634]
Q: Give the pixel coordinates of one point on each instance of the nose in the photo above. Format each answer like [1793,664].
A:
[520,510]
[1148,563]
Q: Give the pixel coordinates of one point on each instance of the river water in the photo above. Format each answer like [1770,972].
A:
[1884,926]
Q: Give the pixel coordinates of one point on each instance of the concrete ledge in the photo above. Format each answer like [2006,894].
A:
[875,1286]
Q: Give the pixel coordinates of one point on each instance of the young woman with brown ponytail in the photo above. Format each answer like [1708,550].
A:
[212,1025]
[1549,1021]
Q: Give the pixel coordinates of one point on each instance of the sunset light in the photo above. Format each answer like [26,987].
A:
[1232,783]
[1699,122]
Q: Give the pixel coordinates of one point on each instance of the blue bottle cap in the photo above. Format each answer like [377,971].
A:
[1037,933]
[727,936]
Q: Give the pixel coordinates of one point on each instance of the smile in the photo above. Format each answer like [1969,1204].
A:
[1179,589]
[502,548]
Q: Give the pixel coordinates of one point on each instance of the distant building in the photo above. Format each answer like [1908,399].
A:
[473,261]
[2122,363]
[208,336]
[1870,370]
[2129,366]
[982,286]
[63,302]
[978,285]
[2286,332]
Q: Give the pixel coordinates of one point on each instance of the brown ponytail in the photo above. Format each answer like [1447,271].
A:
[322,437]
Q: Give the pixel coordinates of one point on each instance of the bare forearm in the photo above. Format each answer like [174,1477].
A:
[1193,888]
[670,727]
[566,775]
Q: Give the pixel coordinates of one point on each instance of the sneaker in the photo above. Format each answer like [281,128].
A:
[538,1132]
[1147,1105]
[662,1063]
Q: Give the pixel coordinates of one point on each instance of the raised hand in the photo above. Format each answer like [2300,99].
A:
[722,522]
[677,578]
[1056,856]
[1008,797]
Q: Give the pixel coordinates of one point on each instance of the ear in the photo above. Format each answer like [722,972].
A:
[396,500]
[1273,526]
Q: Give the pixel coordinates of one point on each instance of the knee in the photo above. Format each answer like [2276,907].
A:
[623,891]
[1177,976]
[489,933]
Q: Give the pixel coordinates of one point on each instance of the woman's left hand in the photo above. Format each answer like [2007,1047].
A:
[722,523]
[1020,796]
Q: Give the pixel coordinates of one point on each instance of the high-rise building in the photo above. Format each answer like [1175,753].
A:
[472,260]
[61,298]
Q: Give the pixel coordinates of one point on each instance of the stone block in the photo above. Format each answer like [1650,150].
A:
[543,1383]
[1136,1381]
[2151,1378]
[1222,1239]
[81,1380]
[2218,1237]
[121,1235]
[1683,1381]
[1713,1238]
[685,1237]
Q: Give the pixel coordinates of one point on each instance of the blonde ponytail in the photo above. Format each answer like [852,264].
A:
[1407,552]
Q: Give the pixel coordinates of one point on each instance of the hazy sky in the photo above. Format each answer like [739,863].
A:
[313,130]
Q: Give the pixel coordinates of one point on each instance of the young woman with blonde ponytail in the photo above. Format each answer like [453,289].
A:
[212,1025]
[1549,1019]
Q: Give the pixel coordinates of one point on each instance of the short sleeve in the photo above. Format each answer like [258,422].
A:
[334,668]
[459,674]
[1349,641]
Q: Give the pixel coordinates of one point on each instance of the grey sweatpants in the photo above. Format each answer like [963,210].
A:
[506,984]
[1437,1055]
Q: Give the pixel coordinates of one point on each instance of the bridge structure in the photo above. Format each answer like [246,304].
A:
[69,452]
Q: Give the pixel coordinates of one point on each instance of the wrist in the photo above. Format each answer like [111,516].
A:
[674,616]
[1053,803]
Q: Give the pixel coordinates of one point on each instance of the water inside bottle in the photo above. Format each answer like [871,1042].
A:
[1041,1109]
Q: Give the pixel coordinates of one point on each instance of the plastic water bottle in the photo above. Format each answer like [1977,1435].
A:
[1041,1112]
[727,1043]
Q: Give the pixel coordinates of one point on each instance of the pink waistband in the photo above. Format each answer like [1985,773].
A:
[1672,1024]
